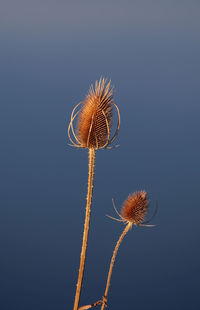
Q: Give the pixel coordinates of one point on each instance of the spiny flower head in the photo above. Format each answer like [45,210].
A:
[95,118]
[135,208]
[96,115]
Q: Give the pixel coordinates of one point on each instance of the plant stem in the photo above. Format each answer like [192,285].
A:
[86,227]
[105,297]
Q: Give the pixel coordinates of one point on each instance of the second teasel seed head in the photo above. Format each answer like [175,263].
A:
[95,118]
[135,208]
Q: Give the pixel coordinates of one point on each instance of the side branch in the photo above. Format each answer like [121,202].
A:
[105,297]
[95,304]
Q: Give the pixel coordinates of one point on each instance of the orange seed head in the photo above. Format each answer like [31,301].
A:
[135,207]
[95,119]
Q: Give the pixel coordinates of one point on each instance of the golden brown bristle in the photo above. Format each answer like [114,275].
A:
[94,122]
[135,207]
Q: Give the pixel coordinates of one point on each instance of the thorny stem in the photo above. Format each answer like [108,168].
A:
[86,226]
[105,297]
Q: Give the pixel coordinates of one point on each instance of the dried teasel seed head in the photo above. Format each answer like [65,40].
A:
[135,208]
[94,118]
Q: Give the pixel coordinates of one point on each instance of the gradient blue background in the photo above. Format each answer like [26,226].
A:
[50,53]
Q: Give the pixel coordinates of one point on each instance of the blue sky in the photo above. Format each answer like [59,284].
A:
[51,51]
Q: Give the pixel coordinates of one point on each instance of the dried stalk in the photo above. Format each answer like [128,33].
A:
[86,227]
[105,297]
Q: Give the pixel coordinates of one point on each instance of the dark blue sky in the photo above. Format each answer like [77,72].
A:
[51,51]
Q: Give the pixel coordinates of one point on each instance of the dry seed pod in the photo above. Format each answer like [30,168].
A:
[95,118]
[135,207]
[134,210]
